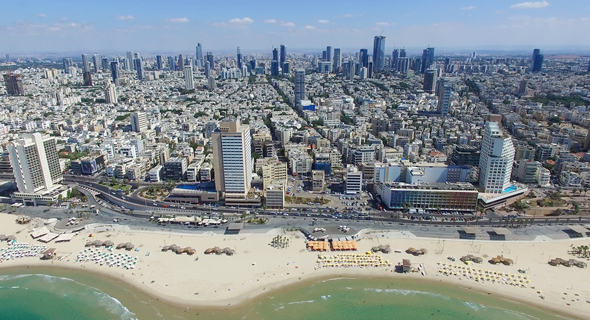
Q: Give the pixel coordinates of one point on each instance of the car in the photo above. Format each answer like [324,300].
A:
[165,206]
[182,207]
[155,204]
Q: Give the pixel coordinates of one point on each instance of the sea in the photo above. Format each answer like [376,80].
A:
[63,294]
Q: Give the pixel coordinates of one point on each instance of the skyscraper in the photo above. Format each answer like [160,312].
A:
[171,63]
[275,54]
[537,63]
[207,69]
[429,80]
[283,55]
[35,163]
[180,65]
[394,57]
[115,72]
[427,59]
[211,60]
[379,53]
[496,159]
[402,53]
[139,122]
[111,93]
[7,58]
[329,53]
[105,64]
[299,86]
[189,83]
[239,59]
[364,57]
[87,79]
[85,66]
[351,70]
[211,83]
[159,64]
[287,67]
[274,68]
[14,84]
[588,66]
[232,160]
[95,62]
[138,63]
[337,60]
[67,62]
[129,61]
[200,62]
[444,95]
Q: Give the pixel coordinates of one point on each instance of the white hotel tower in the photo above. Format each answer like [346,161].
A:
[496,160]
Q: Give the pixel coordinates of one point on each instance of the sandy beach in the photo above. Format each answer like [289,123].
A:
[257,268]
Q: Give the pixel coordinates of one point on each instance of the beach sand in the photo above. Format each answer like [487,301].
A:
[257,268]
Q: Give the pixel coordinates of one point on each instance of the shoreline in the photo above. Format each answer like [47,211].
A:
[257,270]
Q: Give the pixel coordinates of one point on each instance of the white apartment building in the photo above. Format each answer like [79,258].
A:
[354,180]
[139,122]
[496,160]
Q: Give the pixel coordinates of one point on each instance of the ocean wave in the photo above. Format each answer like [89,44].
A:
[408,292]
[474,306]
[298,302]
[113,306]
[18,276]
[340,278]
[326,297]
[14,287]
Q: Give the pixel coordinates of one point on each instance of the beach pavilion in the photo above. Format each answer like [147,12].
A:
[469,232]
[234,228]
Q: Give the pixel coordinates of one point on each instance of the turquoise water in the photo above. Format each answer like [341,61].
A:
[40,296]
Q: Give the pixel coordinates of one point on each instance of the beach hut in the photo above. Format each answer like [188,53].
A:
[411,250]
[406,265]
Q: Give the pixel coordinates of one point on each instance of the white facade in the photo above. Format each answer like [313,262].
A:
[496,160]
[354,180]
[189,83]
[139,122]
[35,163]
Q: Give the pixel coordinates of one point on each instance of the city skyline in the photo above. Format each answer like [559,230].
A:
[464,24]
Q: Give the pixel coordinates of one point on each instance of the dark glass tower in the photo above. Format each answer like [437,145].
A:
[379,53]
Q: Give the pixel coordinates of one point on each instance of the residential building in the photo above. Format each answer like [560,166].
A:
[497,156]
[189,83]
[14,84]
[299,86]
[354,180]
[318,180]
[175,169]
[139,122]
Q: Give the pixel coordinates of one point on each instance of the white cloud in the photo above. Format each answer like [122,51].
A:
[382,24]
[42,15]
[179,20]
[468,8]
[287,24]
[348,15]
[245,20]
[270,21]
[308,27]
[124,18]
[323,21]
[530,5]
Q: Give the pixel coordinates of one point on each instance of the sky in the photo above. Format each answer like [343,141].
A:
[41,26]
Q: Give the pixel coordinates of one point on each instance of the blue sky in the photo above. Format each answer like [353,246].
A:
[29,26]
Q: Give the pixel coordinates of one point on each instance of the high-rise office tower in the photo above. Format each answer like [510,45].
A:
[496,159]
[299,86]
[115,72]
[417,66]
[274,68]
[180,65]
[253,64]
[211,60]
[287,67]
[85,65]
[7,58]
[402,53]
[111,93]
[129,61]
[95,61]
[232,160]
[351,70]
[67,62]
[211,85]
[364,57]
[239,59]
[171,64]
[588,66]
[429,80]
[379,53]
[200,62]
[105,64]
[138,63]
[139,122]
[14,84]
[275,54]
[427,59]
[329,53]
[159,64]
[370,70]
[394,57]
[87,76]
[283,55]
[337,60]
[444,95]
[189,83]
[537,63]
[207,69]
[35,163]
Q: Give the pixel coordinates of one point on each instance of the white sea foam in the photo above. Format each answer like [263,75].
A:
[408,292]
[113,306]
[298,302]
[326,297]
[474,306]
[15,287]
